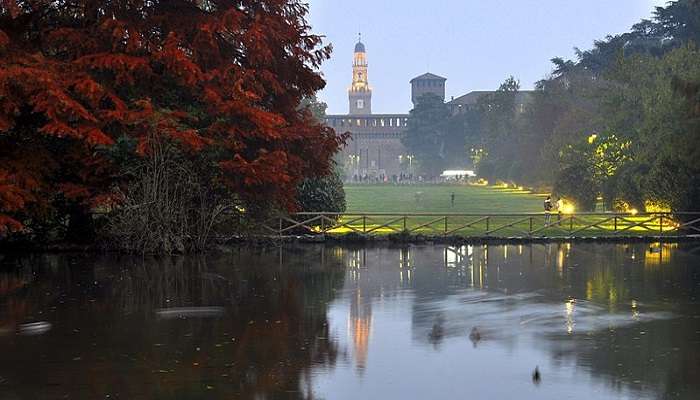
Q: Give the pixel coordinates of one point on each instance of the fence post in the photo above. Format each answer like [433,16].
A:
[364,224]
[404,223]
[571,224]
[661,224]
[445,225]
[280,227]
[323,223]
[487,225]
[615,228]
[529,233]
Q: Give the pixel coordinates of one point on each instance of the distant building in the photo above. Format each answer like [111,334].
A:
[427,83]
[464,102]
[375,150]
[360,93]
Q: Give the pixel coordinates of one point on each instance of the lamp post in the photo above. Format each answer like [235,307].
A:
[354,163]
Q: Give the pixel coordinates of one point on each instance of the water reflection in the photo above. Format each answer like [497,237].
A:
[572,309]
[597,321]
[244,327]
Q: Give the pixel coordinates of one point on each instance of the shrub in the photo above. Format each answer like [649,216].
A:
[576,184]
[323,194]
[170,206]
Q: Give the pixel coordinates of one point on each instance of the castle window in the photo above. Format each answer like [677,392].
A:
[360,104]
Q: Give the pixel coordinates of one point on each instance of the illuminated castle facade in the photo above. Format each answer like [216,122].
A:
[375,150]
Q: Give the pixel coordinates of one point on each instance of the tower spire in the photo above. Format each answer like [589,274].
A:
[360,93]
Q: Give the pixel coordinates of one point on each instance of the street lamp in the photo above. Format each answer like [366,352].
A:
[354,163]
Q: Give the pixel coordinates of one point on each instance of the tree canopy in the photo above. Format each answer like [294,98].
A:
[619,122]
[220,79]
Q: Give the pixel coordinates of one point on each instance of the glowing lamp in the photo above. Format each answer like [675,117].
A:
[567,208]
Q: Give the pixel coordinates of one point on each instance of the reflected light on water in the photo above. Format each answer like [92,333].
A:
[570,305]
[635,311]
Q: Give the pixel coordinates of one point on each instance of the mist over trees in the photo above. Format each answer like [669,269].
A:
[620,121]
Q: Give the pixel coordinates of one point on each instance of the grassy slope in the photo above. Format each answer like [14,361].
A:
[468,199]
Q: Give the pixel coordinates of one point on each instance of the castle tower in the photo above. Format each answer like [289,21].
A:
[360,93]
[427,83]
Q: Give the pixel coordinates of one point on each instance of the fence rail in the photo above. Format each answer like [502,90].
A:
[527,225]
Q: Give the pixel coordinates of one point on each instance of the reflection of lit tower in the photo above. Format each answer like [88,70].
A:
[360,93]
[360,310]
[361,322]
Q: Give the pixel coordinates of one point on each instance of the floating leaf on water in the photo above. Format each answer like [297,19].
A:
[190,312]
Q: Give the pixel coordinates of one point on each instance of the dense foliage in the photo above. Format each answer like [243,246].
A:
[620,122]
[322,194]
[426,134]
[222,80]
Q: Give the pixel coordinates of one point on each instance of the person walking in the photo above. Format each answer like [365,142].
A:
[547,210]
[452,199]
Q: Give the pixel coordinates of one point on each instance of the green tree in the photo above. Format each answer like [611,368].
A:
[427,133]
[322,193]
[658,96]
[498,131]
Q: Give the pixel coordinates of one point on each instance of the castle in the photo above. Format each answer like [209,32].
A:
[375,150]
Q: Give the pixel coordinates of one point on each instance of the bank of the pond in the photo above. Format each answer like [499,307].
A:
[441,239]
[274,240]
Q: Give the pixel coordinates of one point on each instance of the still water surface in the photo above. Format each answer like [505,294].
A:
[422,322]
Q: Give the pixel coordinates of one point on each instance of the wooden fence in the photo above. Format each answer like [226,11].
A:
[528,225]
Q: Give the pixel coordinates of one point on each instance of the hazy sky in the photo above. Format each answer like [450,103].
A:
[475,44]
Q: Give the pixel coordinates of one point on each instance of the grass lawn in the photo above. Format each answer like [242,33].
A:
[488,200]
[436,199]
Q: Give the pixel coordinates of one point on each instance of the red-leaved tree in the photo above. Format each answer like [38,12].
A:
[215,76]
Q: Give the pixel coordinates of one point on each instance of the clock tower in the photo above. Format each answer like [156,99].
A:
[360,93]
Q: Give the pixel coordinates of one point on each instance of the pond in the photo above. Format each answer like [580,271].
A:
[602,321]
